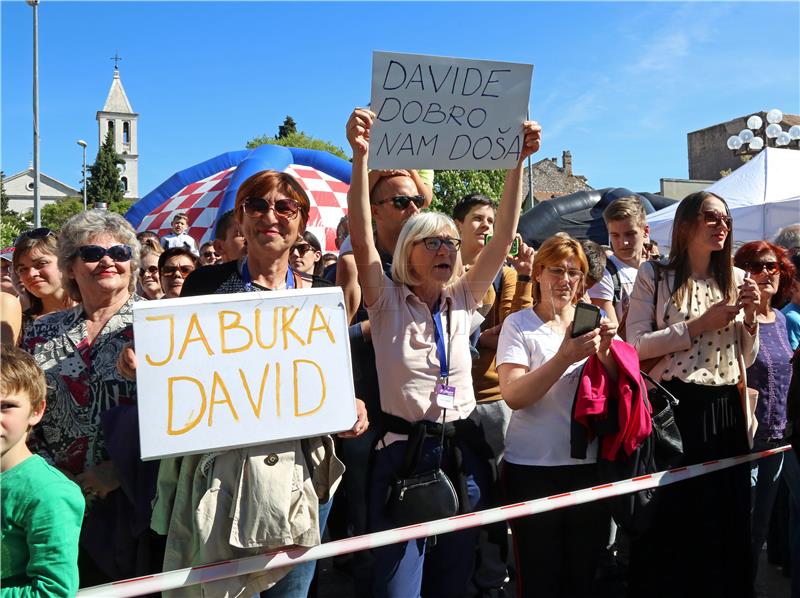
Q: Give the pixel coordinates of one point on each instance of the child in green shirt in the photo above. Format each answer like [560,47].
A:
[42,510]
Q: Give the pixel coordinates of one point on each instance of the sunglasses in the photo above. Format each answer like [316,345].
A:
[37,233]
[151,270]
[401,201]
[713,219]
[434,243]
[94,253]
[302,249]
[173,270]
[256,207]
[209,254]
[759,267]
[573,273]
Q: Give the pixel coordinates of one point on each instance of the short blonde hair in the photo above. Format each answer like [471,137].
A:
[418,227]
[626,208]
[553,251]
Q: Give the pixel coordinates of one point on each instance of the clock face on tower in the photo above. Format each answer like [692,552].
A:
[121,168]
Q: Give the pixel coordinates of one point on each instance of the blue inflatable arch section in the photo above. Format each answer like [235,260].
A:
[247,163]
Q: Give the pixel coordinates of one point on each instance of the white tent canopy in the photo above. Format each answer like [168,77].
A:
[763,196]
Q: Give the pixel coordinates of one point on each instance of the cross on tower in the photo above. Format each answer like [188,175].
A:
[116,58]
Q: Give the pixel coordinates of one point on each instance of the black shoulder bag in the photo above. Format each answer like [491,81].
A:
[414,498]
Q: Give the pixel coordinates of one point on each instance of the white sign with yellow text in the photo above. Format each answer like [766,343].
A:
[223,371]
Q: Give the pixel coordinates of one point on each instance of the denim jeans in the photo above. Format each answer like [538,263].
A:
[765,475]
[295,584]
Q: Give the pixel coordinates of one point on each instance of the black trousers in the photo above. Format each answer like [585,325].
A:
[699,544]
[556,552]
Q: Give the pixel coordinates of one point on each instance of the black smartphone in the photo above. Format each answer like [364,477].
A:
[587,318]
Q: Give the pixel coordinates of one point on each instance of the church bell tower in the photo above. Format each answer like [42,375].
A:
[118,117]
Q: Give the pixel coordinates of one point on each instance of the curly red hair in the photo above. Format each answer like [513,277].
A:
[749,252]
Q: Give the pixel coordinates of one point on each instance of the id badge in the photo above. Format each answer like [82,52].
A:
[445,396]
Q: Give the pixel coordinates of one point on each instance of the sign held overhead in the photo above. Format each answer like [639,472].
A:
[447,113]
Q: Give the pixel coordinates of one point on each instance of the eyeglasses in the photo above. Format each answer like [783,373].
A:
[759,267]
[713,219]
[557,271]
[434,243]
[302,249]
[209,254]
[401,201]
[256,207]
[151,270]
[94,253]
[185,270]
[37,233]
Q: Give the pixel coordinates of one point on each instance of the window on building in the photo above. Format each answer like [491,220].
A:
[111,127]
[126,132]
[124,184]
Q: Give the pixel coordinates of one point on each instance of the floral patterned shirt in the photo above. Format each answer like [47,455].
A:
[82,382]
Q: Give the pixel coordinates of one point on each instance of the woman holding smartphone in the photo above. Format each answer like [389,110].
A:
[697,316]
[539,364]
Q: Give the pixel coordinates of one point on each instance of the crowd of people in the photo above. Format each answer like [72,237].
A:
[470,376]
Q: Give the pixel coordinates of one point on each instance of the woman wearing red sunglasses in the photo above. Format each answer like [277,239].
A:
[696,317]
[770,375]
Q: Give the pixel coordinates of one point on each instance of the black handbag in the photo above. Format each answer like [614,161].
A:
[423,497]
[661,450]
[414,498]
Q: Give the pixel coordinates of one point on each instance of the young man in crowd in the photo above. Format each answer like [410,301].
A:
[628,232]
[179,237]
[42,511]
[229,242]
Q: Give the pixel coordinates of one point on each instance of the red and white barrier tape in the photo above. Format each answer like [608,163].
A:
[271,560]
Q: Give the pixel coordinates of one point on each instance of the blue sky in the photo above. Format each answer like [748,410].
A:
[619,84]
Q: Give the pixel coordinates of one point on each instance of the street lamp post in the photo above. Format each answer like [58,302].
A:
[82,143]
[757,134]
[37,214]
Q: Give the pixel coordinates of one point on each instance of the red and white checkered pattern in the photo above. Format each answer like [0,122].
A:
[201,199]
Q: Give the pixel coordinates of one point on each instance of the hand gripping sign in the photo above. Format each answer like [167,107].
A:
[224,371]
[447,113]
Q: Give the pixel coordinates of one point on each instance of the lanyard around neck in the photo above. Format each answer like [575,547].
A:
[248,280]
[438,335]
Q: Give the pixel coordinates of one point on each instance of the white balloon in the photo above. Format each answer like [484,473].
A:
[773,130]
[746,135]
[757,144]
[783,138]
[774,116]
[755,122]
[734,143]
[794,131]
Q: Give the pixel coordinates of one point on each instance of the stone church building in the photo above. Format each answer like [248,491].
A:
[116,116]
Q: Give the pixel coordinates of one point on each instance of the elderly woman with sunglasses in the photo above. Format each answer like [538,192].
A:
[770,375]
[292,482]
[420,321]
[696,319]
[90,428]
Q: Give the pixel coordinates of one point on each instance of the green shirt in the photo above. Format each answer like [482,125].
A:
[42,512]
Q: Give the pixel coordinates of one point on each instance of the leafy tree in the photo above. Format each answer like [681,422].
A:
[288,136]
[104,184]
[449,186]
[54,215]
[12,223]
[289,127]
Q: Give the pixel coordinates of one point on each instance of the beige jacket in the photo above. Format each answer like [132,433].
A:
[241,503]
